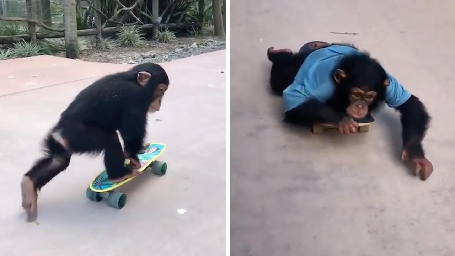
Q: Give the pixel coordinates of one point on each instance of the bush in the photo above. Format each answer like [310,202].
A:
[166,36]
[51,47]
[11,29]
[28,49]
[130,36]
[5,54]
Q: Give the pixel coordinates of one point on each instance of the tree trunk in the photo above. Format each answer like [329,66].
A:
[98,36]
[31,14]
[3,8]
[46,16]
[218,18]
[224,15]
[201,15]
[71,44]
[156,14]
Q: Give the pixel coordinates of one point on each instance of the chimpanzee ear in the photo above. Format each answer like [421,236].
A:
[386,82]
[143,77]
[339,75]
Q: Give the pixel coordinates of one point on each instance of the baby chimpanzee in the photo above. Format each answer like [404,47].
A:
[337,83]
[117,102]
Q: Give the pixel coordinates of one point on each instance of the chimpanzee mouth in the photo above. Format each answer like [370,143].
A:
[357,117]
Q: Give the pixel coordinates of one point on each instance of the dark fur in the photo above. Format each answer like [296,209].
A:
[364,71]
[114,103]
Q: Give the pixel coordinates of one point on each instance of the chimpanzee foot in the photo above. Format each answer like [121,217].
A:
[272,50]
[134,173]
[29,199]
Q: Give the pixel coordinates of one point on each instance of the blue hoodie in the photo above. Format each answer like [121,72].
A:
[315,81]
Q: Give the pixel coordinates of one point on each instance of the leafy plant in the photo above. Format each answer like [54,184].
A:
[166,36]
[11,29]
[28,49]
[5,54]
[51,47]
[193,12]
[130,36]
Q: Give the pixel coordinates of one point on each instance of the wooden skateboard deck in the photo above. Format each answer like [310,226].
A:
[364,125]
[101,187]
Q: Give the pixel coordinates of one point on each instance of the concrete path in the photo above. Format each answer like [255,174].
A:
[293,193]
[34,91]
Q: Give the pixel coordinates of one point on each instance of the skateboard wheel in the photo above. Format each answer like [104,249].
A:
[159,168]
[93,196]
[317,129]
[363,129]
[116,200]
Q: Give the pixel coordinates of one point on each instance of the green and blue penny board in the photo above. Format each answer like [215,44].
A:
[101,183]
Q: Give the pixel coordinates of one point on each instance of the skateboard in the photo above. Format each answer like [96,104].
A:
[101,187]
[364,125]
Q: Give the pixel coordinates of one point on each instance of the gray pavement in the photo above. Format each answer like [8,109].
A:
[294,193]
[34,91]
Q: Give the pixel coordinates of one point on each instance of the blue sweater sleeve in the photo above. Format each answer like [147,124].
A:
[396,94]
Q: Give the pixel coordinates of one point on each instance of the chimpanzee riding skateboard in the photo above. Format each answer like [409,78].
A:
[364,125]
[101,187]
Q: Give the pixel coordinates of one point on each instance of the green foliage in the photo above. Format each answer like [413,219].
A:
[166,36]
[51,47]
[130,36]
[171,12]
[193,12]
[11,29]
[5,54]
[57,10]
[27,49]
[105,45]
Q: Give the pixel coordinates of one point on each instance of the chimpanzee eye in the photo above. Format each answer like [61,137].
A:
[369,98]
[356,96]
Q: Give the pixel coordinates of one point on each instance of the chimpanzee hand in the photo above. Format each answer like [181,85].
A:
[144,148]
[422,166]
[134,162]
[347,125]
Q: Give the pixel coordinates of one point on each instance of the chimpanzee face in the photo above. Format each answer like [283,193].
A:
[143,79]
[159,94]
[364,94]
[359,102]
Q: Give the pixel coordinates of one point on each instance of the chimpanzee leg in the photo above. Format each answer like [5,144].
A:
[67,138]
[95,140]
[280,55]
[285,66]
[114,160]
[44,170]
[312,46]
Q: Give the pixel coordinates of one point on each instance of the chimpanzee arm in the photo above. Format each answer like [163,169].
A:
[414,117]
[314,111]
[133,130]
[414,120]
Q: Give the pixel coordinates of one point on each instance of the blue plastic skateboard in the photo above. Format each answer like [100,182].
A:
[101,187]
